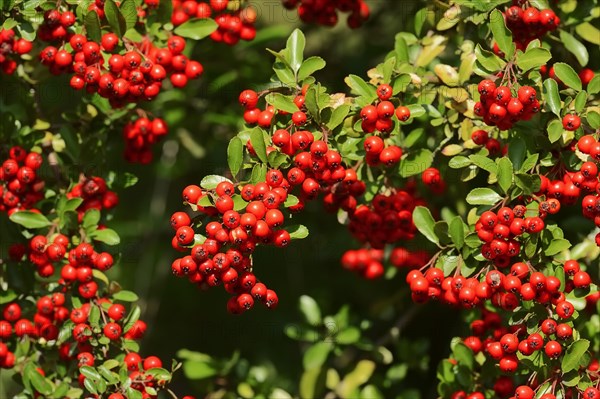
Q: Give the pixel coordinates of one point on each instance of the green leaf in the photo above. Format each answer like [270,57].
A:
[129,12]
[362,88]
[92,26]
[483,196]
[484,163]
[529,163]
[90,372]
[125,296]
[196,29]
[235,155]
[284,73]
[567,75]
[257,139]
[416,110]
[556,246]
[488,60]
[425,223]
[295,48]
[457,232]
[337,116]
[360,375]
[516,152]
[580,101]
[310,309]
[30,220]
[348,336]
[91,219]
[594,85]
[459,162]
[551,96]
[115,18]
[555,130]
[159,373]
[199,370]
[316,355]
[505,174]
[211,182]
[7,296]
[107,236]
[588,32]
[312,383]
[464,355]
[281,102]
[297,232]
[593,119]
[259,173]
[310,66]
[40,383]
[501,33]
[533,58]
[415,162]
[575,47]
[573,354]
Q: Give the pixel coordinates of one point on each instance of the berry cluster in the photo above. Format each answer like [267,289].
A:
[527,24]
[500,108]
[10,46]
[504,344]
[387,219]
[122,73]
[74,320]
[56,24]
[325,12]
[232,25]
[95,194]
[378,117]
[521,283]
[20,186]
[139,137]
[224,257]
[494,146]
[368,262]
[499,230]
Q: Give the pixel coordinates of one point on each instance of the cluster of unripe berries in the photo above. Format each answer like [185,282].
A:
[95,194]
[20,186]
[139,137]
[121,74]
[325,12]
[500,108]
[233,25]
[11,48]
[527,24]
[225,255]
